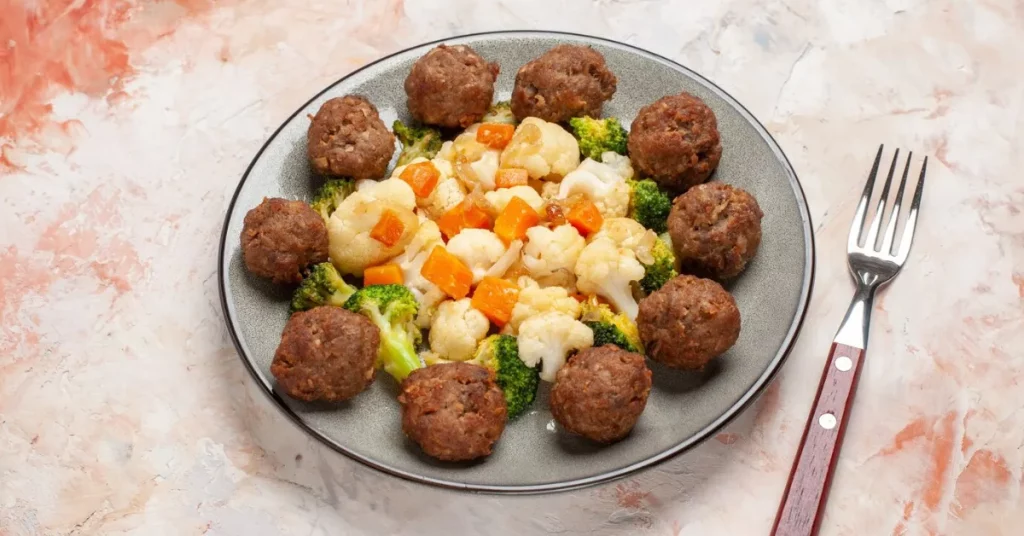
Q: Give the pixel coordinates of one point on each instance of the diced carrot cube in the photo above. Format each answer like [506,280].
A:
[465,215]
[447,272]
[422,177]
[509,177]
[495,298]
[385,274]
[495,135]
[585,217]
[514,220]
[389,228]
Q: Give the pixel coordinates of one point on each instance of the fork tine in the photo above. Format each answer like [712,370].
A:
[894,216]
[876,222]
[856,227]
[915,205]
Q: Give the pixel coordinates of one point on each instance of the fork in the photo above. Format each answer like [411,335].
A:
[872,266]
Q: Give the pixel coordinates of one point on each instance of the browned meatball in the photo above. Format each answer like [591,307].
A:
[566,81]
[453,411]
[326,354]
[715,230]
[450,86]
[675,141]
[688,322]
[346,138]
[281,237]
[601,392]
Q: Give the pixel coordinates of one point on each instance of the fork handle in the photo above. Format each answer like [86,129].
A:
[803,502]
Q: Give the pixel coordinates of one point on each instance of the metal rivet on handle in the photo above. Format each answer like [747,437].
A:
[844,363]
[827,421]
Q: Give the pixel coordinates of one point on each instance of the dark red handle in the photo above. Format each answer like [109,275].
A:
[803,502]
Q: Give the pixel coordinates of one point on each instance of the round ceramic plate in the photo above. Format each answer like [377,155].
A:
[534,455]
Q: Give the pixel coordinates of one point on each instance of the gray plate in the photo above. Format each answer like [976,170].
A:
[533,455]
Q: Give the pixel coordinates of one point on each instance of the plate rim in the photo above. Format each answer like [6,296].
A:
[734,410]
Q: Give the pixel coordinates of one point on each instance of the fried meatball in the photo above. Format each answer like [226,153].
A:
[281,237]
[326,354]
[453,411]
[688,322]
[450,86]
[715,230]
[675,141]
[601,392]
[566,81]
[346,138]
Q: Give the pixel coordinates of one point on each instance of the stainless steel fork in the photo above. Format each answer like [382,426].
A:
[872,266]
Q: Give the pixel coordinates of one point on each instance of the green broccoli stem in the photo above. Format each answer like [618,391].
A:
[397,352]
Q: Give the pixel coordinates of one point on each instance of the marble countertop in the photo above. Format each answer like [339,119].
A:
[126,124]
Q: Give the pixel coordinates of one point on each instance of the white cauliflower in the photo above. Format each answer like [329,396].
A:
[550,254]
[601,184]
[457,329]
[472,162]
[619,163]
[394,190]
[479,249]
[534,300]
[411,262]
[500,197]
[629,233]
[506,261]
[548,338]
[446,194]
[543,149]
[350,246]
[608,270]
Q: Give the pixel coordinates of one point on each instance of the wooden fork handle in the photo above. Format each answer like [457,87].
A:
[803,502]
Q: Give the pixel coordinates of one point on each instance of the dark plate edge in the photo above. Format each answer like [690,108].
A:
[738,407]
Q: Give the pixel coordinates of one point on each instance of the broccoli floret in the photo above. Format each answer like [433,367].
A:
[597,136]
[500,112]
[611,328]
[649,205]
[663,268]
[322,286]
[330,195]
[416,142]
[519,382]
[393,309]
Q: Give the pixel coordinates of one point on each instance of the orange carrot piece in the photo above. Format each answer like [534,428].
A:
[495,298]
[389,228]
[447,272]
[422,177]
[509,177]
[513,222]
[495,135]
[465,215]
[585,217]
[385,274]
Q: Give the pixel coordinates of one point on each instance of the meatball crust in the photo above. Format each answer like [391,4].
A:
[326,354]
[347,138]
[715,230]
[453,411]
[280,238]
[675,141]
[601,392]
[565,82]
[450,86]
[688,322]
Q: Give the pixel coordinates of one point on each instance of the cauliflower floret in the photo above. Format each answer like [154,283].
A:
[550,254]
[472,162]
[629,233]
[350,247]
[608,270]
[535,300]
[457,329]
[446,194]
[500,197]
[548,338]
[600,183]
[479,249]
[619,163]
[411,262]
[543,149]
[394,190]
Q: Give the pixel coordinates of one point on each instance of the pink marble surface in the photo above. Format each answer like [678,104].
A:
[125,126]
